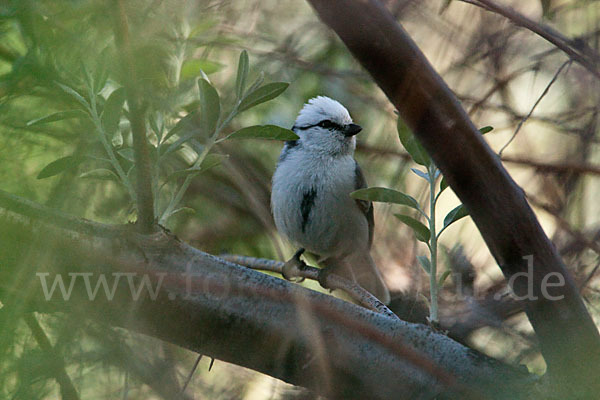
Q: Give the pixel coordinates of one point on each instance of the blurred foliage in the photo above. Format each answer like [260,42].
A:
[496,69]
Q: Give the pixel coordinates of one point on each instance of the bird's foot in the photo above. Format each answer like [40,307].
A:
[291,269]
[322,277]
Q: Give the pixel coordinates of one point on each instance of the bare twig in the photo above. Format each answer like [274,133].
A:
[562,166]
[141,153]
[544,93]
[67,389]
[191,374]
[576,50]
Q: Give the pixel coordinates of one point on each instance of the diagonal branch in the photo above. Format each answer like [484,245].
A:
[569,340]
[577,50]
[251,319]
[67,389]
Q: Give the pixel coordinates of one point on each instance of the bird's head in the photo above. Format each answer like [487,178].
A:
[324,125]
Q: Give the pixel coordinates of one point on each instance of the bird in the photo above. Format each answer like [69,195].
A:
[310,195]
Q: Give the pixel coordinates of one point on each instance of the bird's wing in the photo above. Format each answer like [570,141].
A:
[365,206]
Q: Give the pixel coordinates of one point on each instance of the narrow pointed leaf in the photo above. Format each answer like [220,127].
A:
[186,210]
[257,82]
[421,174]
[210,161]
[189,122]
[262,94]
[100,173]
[111,115]
[60,165]
[443,278]
[57,116]
[242,74]
[74,94]
[424,263]
[101,72]
[194,68]
[443,184]
[127,154]
[210,106]
[421,231]
[412,146]
[385,195]
[456,214]
[272,132]
[486,129]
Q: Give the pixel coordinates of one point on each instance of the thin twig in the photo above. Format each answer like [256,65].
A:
[67,389]
[333,281]
[141,153]
[190,375]
[576,50]
[544,93]
[557,167]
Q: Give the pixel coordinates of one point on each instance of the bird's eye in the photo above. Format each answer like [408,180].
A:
[327,124]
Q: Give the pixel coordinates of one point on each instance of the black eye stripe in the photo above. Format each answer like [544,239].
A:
[327,124]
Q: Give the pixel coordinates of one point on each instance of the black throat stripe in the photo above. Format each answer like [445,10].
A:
[308,200]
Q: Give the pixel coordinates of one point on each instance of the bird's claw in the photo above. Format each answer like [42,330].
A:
[322,277]
[291,269]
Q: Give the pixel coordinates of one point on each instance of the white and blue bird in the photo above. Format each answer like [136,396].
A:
[310,196]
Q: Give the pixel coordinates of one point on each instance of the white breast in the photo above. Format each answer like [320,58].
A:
[335,224]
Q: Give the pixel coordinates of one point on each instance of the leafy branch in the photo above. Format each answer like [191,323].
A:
[427,234]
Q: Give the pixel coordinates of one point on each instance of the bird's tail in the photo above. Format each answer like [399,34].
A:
[360,268]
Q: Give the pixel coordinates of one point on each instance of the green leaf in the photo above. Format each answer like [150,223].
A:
[257,82]
[425,263]
[385,195]
[210,106]
[100,173]
[421,174]
[456,214]
[262,94]
[242,74]
[187,123]
[443,184]
[445,275]
[57,116]
[194,68]
[421,231]
[101,72]
[486,129]
[127,154]
[74,94]
[210,161]
[272,132]
[187,210]
[424,299]
[158,125]
[86,76]
[111,115]
[412,146]
[60,165]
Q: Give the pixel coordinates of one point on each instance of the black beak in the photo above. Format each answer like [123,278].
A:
[351,130]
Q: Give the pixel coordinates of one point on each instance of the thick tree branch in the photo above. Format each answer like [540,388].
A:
[568,337]
[241,316]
